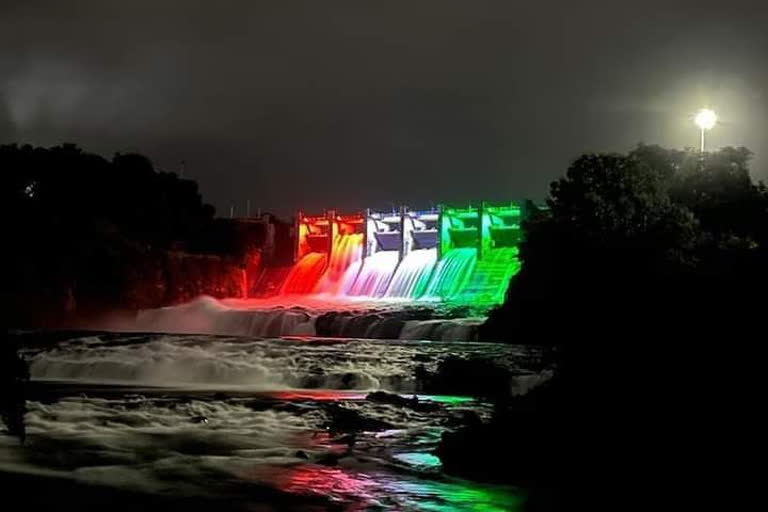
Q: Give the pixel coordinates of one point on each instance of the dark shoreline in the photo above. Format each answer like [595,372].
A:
[42,492]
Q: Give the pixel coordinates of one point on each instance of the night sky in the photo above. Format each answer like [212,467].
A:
[358,103]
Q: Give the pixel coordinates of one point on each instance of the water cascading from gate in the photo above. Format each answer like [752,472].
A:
[465,255]
[347,250]
[305,274]
[375,275]
[412,275]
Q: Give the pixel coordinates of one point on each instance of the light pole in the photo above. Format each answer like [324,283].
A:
[706,119]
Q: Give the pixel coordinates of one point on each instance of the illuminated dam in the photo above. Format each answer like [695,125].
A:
[397,274]
[453,254]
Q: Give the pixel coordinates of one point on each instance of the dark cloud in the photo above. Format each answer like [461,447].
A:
[348,103]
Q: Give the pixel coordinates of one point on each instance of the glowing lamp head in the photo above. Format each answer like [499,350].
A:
[706,119]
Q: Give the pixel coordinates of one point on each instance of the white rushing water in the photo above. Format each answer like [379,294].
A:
[269,318]
[375,275]
[261,364]
[244,422]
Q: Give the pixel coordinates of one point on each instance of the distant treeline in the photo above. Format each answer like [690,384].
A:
[657,239]
[646,281]
[86,234]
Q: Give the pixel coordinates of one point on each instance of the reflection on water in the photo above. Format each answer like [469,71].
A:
[335,394]
[244,420]
[372,490]
[419,460]
[230,448]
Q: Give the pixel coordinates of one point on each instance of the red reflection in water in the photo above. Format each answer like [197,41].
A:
[331,482]
[307,479]
[319,394]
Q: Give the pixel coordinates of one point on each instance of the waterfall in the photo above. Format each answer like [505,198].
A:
[452,273]
[412,276]
[347,249]
[491,276]
[304,275]
[375,275]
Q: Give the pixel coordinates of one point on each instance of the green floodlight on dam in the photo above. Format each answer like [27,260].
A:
[478,251]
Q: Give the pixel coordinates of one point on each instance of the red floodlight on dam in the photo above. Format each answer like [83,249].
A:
[324,246]
[317,233]
[314,233]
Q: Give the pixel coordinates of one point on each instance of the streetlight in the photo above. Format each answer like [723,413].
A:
[706,119]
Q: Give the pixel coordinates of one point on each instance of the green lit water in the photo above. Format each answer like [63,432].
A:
[452,273]
[491,276]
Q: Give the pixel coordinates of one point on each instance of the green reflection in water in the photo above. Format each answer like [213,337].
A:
[421,460]
[446,399]
[444,496]
[379,490]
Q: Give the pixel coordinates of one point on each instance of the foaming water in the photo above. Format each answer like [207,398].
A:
[308,315]
[244,453]
[228,363]
[242,423]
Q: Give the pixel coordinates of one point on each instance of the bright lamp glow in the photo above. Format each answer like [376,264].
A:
[705,119]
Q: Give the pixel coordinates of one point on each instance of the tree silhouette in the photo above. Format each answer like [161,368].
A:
[633,229]
[90,233]
[645,277]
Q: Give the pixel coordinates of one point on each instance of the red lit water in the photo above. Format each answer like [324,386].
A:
[347,249]
[304,275]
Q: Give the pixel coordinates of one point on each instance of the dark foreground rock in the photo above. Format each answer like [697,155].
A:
[342,420]
[480,378]
[414,403]
[518,445]
[624,426]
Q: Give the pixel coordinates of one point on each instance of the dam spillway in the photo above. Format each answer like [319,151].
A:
[451,254]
